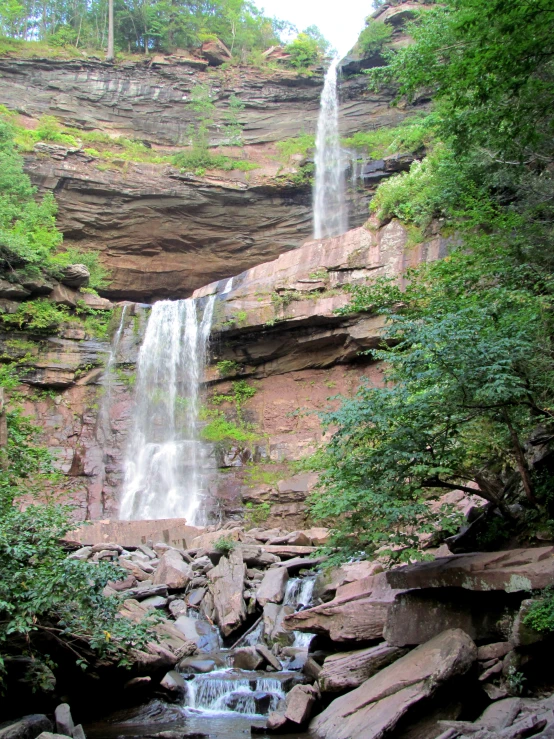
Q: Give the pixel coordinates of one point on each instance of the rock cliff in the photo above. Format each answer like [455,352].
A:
[151,222]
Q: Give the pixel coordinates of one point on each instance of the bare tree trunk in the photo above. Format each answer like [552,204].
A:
[110,54]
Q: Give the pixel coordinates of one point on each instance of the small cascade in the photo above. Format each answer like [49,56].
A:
[104,428]
[329,204]
[228,286]
[234,692]
[299,593]
[165,458]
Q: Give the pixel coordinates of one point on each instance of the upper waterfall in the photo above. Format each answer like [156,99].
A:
[330,215]
[165,457]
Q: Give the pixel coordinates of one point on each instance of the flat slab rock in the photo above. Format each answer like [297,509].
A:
[357,616]
[348,670]
[513,571]
[373,709]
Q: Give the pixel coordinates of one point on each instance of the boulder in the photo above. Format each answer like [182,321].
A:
[247,658]
[347,670]
[274,628]
[178,608]
[121,585]
[13,291]
[173,644]
[95,302]
[269,657]
[79,732]
[376,706]
[197,665]
[417,616]
[358,614]
[28,727]
[522,634]
[496,650]
[215,52]
[157,602]
[144,591]
[513,571]
[297,538]
[174,684]
[50,735]
[134,569]
[173,571]
[81,554]
[200,632]
[318,536]
[300,702]
[64,720]
[64,296]
[501,714]
[273,586]
[76,275]
[227,580]
[328,581]
[299,563]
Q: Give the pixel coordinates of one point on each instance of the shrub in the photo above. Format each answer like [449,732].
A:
[374,37]
[225,545]
[304,51]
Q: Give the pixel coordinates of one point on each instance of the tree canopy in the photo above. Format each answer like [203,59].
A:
[468,397]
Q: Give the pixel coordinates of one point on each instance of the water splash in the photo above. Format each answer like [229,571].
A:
[234,694]
[165,459]
[330,215]
[299,593]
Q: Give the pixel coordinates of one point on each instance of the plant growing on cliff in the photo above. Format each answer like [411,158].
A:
[225,545]
[374,37]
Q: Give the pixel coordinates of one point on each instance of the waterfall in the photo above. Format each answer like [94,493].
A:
[165,458]
[228,286]
[298,593]
[228,692]
[330,216]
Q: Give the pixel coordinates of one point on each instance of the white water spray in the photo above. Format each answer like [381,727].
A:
[330,216]
[165,457]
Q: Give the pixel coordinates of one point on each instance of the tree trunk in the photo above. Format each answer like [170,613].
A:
[110,54]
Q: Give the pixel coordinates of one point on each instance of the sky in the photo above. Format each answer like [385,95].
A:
[340,21]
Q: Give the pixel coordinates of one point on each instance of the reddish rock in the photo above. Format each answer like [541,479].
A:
[226,586]
[512,571]
[300,702]
[173,571]
[272,587]
[347,670]
[353,617]
[215,52]
[375,708]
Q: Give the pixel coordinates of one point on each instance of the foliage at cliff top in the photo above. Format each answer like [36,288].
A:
[145,27]
[468,344]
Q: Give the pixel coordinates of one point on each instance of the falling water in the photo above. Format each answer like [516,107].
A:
[298,593]
[224,692]
[228,286]
[330,217]
[165,458]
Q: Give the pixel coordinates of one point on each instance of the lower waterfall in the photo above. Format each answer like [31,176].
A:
[165,457]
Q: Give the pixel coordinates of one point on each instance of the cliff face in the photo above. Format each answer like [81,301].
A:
[276,329]
[161,232]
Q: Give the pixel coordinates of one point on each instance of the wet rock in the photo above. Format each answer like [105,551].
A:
[201,633]
[247,658]
[27,727]
[274,627]
[348,670]
[378,704]
[174,684]
[194,598]
[276,721]
[273,586]
[268,657]
[227,580]
[178,608]
[513,571]
[199,666]
[300,702]
[76,275]
[64,720]
[359,614]
[173,571]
